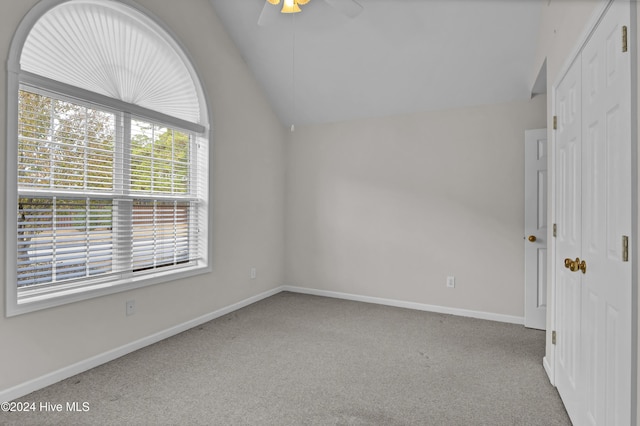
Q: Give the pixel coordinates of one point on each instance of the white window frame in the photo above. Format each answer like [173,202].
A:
[94,287]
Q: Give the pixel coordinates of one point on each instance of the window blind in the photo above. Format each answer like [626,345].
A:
[102,195]
[104,48]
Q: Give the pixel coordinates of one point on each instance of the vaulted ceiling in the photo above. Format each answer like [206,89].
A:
[396,57]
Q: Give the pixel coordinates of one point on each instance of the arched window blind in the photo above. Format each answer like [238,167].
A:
[107,48]
[110,173]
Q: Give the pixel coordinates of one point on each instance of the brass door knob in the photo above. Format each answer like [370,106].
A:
[576,265]
[572,265]
[532,238]
[582,266]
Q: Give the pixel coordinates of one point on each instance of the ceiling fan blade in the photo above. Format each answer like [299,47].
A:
[269,15]
[350,8]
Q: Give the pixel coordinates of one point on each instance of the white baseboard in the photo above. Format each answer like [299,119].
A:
[409,305]
[548,370]
[87,364]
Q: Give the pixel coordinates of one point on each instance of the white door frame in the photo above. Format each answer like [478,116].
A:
[549,359]
[634,36]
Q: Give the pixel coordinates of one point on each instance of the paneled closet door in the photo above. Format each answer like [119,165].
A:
[569,239]
[606,221]
[593,198]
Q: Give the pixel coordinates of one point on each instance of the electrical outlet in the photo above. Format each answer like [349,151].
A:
[131,307]
[253,273]
[451,282]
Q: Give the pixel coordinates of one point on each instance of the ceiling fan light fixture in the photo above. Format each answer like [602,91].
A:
[274,2]
[290,6]
[302,2]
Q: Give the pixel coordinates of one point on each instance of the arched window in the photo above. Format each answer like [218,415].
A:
[107,143]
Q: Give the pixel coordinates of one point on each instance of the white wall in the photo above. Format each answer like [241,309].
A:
[390,207]
[247,213]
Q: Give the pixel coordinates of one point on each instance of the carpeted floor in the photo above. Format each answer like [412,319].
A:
[295,359]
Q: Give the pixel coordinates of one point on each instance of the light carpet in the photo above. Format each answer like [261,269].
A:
[296,359]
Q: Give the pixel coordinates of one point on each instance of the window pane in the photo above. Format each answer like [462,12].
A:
[34,132]
[61,239]
[181,154]
[63,145]
[159,159]
[161,231]
[100,137]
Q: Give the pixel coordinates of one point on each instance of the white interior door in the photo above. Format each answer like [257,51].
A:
[568,238]
[535,228]
[606,212]
[593,304]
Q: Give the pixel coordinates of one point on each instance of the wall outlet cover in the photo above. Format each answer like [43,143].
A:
[130,307]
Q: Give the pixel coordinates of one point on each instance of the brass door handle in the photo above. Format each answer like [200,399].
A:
[582,266]
[532,238]
[567,263]
[576,265]
[573,266]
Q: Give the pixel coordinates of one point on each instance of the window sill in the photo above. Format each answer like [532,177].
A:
[36,301]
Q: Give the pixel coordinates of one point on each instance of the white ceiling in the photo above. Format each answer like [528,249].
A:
[396,57]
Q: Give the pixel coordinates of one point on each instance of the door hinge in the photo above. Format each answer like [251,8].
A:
[625,248]
[555,122]
[553,337]
[624,38]
[555,230]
